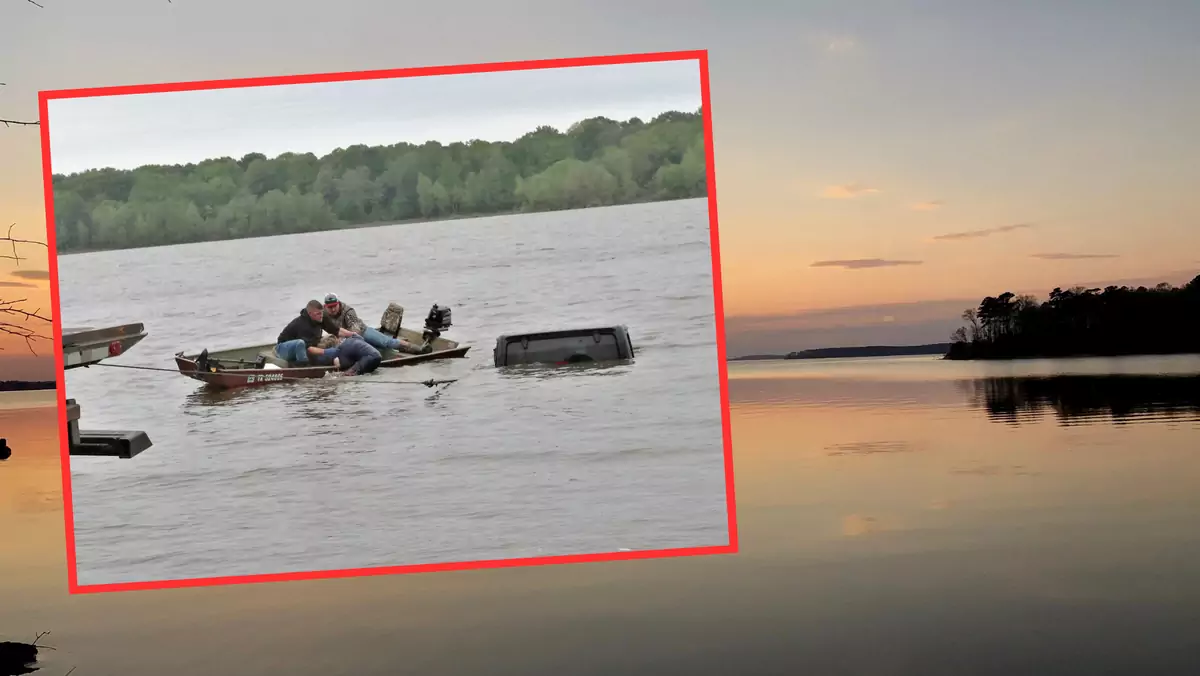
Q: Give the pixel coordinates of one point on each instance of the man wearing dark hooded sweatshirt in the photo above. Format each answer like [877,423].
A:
[298,340]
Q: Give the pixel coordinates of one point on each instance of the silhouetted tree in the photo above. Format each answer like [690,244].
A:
[1081,321]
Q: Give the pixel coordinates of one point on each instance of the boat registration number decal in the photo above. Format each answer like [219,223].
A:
[264,378]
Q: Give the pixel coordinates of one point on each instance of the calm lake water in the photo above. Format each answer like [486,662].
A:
[360,472]
[916,516]
[896,517]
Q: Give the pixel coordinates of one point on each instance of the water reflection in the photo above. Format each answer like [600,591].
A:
[548,372]
[1075,399]
[1075,392]
[895,515]
[205,397]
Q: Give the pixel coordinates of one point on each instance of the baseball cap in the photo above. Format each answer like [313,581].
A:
[331,298]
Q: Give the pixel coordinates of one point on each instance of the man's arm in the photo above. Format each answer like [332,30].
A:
[353,322]
[333,328]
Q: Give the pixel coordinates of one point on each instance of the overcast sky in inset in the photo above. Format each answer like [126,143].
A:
[127,131]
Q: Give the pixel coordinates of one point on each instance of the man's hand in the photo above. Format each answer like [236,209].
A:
[345,333]
[315,351]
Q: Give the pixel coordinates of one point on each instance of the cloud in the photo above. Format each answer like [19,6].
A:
[848,191]
[31,274]
[18,284]
[1071,256]
[863,263]
[987,232]
[928,206]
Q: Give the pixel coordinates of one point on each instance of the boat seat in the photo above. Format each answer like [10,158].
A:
[269,355]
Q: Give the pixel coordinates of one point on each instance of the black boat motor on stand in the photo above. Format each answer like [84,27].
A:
[436,321]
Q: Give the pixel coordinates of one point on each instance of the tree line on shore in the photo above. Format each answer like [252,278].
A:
[1116,320]
[595,162]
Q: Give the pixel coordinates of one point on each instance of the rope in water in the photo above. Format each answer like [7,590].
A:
[427,383]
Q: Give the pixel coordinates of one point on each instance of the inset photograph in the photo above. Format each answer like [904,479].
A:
[402,321]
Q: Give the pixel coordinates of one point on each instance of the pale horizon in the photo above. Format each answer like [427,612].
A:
[899,324]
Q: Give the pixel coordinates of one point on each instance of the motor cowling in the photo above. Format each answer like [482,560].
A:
[438,318]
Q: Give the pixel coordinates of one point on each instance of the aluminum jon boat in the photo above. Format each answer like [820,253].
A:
[257,365]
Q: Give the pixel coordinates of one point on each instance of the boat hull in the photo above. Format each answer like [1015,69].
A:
[238,367]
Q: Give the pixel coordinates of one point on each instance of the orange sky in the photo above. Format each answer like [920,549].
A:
[846,140]
[26,280]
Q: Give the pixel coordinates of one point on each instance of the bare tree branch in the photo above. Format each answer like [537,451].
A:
[9,307]
[23,331]
[34,3]
[12,308]
[12,311]
[9,238]
[9,123]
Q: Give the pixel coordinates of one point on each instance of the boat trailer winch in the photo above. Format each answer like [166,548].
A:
[87,347]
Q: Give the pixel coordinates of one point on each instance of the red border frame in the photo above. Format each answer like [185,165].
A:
[69,517]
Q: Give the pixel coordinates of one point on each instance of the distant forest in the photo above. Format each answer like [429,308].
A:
[595,162]
[1117,320]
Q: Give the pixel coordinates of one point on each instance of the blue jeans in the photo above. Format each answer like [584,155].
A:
[380,340]
[366,364]
[294,351]
[356,355]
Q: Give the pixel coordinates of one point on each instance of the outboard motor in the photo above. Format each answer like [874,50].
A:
[437,321]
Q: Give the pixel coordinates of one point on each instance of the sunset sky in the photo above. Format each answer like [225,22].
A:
[844,131]
[28,281]
[878,169]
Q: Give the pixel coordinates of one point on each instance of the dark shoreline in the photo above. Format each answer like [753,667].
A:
[920,350]
[856,351]
[1076,323]
[26,385]
[1080,322]
[1071,355]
